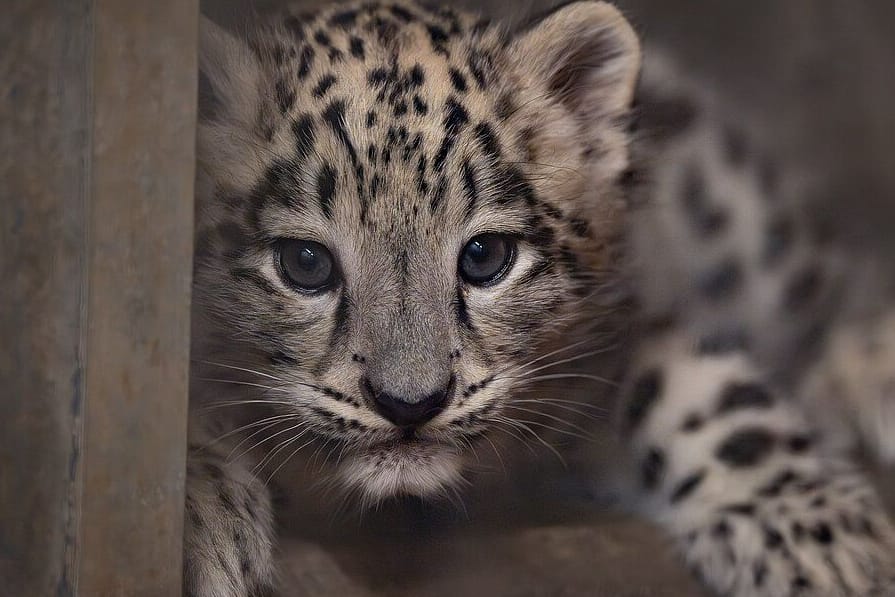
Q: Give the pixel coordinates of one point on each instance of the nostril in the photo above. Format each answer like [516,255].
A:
[408,412]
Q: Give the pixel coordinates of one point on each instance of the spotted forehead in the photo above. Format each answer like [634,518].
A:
[380,100]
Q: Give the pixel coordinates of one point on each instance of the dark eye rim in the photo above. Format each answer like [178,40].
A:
[507,265]
[331,282]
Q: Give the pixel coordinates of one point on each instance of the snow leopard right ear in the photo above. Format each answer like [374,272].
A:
[230,82]
[588,56]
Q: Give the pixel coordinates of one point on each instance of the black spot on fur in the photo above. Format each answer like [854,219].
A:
[693,191]
[356,47]
[822,533]
[759,573]
[744,395]
[663,117]
[580,227]
[438,36]
[470,186]
[454,119]
[722,530]
[303,130]
[722,280]
[802,288]
[417,76]
[285,96]
[371,119]
[692,423]
[736,146]
[305,60]
[488,140]
[772,537]
[798,444]
[326,188]
[687,486]
[505,106]
[746,447]
[776,486]
[334,116]
[402,13]
[643,396]
[343,19]
[477,64]
[740,508]
[326,81]
[778,238]
[652,468]
[419,106]
[723,341]
[322,38]
[458,80]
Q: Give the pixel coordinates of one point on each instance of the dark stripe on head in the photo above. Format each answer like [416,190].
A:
[326,188]
[303,130]
[280,184]
[455,118]
[438,194]
[334,116]
[471,187]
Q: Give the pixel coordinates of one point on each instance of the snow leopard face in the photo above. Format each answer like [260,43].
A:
[401,210]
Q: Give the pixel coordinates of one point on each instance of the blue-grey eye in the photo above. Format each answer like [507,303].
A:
[487,258]
[306,265]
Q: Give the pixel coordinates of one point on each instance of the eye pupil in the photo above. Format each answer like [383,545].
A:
[486,259]
[306,265]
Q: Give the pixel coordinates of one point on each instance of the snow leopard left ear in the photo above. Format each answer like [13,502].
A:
[231,74]
[589,56]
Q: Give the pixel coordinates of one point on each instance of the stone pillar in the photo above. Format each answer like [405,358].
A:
[97,129]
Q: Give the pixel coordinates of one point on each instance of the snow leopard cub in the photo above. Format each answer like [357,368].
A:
[404,213]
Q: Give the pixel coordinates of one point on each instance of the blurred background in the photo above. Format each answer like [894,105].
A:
[97,101]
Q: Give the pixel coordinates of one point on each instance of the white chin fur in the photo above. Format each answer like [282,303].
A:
[405,470]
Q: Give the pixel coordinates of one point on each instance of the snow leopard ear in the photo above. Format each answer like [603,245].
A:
[589,56]
[230,82]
